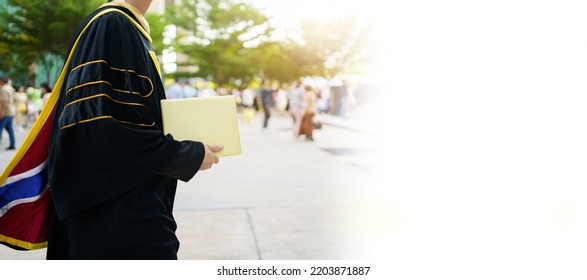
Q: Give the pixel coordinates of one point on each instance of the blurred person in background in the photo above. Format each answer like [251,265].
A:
[7,111]
[175,91]
[267,101]
[34,95]
[248,97]
[281,100]
[20,101]
[45,93]
[248,101]
[188,90]
[322,105]
[308,112]
[296,106]
[207,91]
[32,113]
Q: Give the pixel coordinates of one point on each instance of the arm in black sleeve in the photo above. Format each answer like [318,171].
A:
[187,162]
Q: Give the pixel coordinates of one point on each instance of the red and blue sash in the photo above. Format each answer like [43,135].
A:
[25,197]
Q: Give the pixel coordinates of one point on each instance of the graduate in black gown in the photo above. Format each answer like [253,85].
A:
[112,172]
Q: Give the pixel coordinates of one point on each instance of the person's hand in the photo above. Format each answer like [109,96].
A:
[210,158]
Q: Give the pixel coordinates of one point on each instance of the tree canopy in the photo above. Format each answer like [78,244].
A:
[219,40]
[230,40]
[217,35]
[333,47]
[34,29]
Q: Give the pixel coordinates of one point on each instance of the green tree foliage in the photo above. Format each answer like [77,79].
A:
[273,61]
[44,26]
[221,40]
[322,48]
[33,29]
[218,37]
[329,48]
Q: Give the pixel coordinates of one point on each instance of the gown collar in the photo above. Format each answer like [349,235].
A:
[142,21]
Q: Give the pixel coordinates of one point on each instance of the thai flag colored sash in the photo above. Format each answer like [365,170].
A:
[25,197]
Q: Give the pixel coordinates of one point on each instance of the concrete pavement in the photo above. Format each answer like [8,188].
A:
[283,198]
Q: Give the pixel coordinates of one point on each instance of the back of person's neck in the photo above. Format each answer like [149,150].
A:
[141,5]
[134,10]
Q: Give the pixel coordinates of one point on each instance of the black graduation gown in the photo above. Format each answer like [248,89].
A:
[112,171]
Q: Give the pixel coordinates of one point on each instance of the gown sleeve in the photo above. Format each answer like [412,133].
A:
[189,155]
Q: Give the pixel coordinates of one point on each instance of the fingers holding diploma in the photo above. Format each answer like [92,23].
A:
[210,158]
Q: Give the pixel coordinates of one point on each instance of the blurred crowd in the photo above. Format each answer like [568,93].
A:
[20,107]
[302,100]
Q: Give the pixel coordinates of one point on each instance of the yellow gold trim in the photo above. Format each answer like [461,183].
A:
[23,244]
[87,84]
[111,86]
[154,58]
[88,63]
[141,76]
[113,68]
[104,117]
[139,124]
[104,95]
[41,120]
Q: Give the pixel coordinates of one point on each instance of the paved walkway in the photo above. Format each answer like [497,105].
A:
[283,198]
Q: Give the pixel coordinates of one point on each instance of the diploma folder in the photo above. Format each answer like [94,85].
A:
[210,120]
